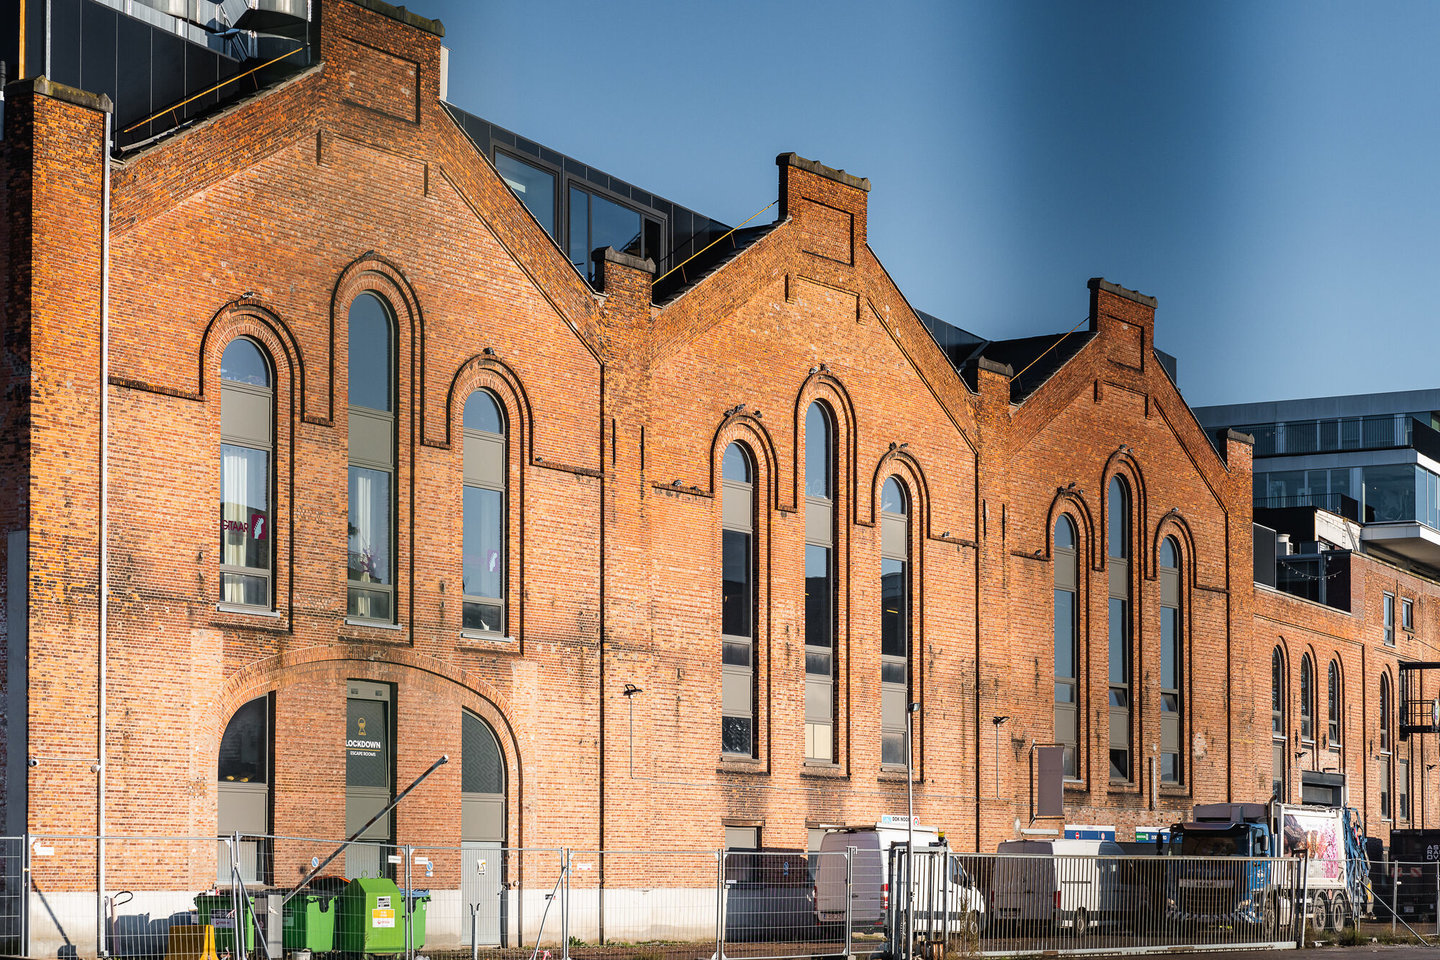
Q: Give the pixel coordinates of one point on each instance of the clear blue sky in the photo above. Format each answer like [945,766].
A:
[1267,170]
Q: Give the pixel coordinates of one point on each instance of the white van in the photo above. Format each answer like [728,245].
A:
[870,895]
[1032,889]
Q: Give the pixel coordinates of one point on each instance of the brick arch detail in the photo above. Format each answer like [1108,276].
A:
[1174,524]
[372,273]
[747,429]
[1070,501]
[468,691]
[493,374]
[1122,463]
[248,317]
[824,386]
[899,463]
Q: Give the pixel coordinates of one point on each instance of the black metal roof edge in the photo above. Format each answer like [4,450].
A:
[664,294]
[404,16]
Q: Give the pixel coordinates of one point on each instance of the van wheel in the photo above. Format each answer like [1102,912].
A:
[1270,918]
[1082,922]
[971,927]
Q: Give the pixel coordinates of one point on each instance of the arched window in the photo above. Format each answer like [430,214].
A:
[483,569]
[1118,547]
[1172,660]
[1067,659]
[1382,771]
[247,417]
[1307,699]
[737,602]
[894,619]
[243,797]
[370,567]
[1278,734]
[1334,731]
[482,783]
[819,585]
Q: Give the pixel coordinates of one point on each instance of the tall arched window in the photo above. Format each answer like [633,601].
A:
[483,566]
[1278,734]
[243,794]
[1307,700]
[1172,660]
[1334,729]
[1118,547]
[247,417]
[370,568]
[819,585]
[482,825]
[1383,762]
[1067,677]
[737,603]
[894,619]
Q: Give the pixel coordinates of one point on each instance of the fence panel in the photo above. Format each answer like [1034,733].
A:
[483,897]
[1081,904]
[666,901]
[768,908]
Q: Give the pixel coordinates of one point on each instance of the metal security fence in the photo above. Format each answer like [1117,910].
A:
[283,897]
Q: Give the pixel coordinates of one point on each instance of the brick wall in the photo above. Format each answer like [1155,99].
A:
[268,219]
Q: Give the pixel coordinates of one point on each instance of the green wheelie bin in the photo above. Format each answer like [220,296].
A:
[368,917]
[310,922]
[216,909]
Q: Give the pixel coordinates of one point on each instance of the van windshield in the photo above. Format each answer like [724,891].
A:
[1215,843]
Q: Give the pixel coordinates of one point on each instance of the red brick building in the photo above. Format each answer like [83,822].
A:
[656,559]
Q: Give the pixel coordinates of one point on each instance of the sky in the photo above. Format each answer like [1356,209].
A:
[1267,170]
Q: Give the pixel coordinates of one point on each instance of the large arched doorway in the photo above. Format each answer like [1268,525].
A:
[482,827]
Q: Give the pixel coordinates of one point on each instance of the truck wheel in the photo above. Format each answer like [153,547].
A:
[1082,922]
[1270,918]
[1339,913]
[1320,913]
[971,927]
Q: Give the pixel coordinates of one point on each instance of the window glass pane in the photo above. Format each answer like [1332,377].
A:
[1064,633]
[736,465]
[1119,764]
[1064,534]
[735,599]
[1119,637]
[1169,648]
[894,606]
[817,452]
[1118,519]
[735,654]
[892,748]
[817,664]
[612,225]
[535,187]
[369,541]
[735,734]
[242,362]
[1169,556]
[1170,767]
[244,507]
[1390,491]
[244,750]
[892,497]
[483,567]
[819,596]
[481,768]
[1407,615]
[367,734]
[486,617]
[370,372]
[242,589]
[483,413]
[1065,692]
[580,230]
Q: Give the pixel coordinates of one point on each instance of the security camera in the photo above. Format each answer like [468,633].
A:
[33,762]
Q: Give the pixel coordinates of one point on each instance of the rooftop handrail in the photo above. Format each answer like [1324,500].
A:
[240,76]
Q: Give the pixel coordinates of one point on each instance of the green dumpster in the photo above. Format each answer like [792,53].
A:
[217,909]
[368,917]
[418,903]
[310,922]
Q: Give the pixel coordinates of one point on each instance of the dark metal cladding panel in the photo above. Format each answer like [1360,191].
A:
[201,74]
[167,73]
[133,103]
[65,51]
[98,71]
